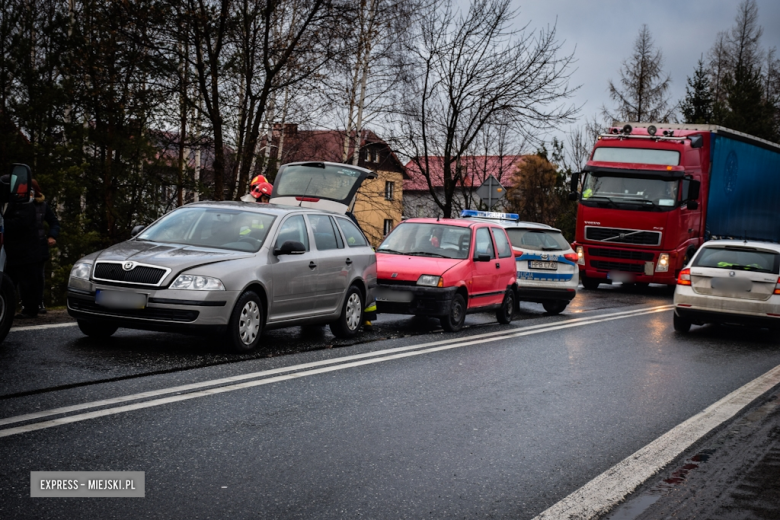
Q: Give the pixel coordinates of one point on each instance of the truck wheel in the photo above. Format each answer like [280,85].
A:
[681,324]
[555,306]
[246,323]
[504,313]
[590,284]
[453,321]
[351,317]
[7,305]
[96,330]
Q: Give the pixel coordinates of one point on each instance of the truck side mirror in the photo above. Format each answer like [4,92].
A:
[697,141]
[575,181]
[693,190]
[574,196]
[692,204]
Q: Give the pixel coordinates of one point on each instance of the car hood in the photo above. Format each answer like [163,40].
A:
[409,268]
[173,256]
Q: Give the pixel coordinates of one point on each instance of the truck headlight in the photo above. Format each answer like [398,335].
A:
[663,263]
[81,270]
[580,255]
[430,280]
[190,282]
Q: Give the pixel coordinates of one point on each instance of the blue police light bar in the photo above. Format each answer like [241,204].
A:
[488,214]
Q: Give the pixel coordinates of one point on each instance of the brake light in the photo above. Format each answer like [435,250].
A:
[518,254]
[572,257]
[307,199]
[684,278]
[777,286]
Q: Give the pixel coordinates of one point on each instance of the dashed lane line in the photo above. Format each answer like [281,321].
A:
[374,357]
[42,327]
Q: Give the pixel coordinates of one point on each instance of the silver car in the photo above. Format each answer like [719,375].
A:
[231,268]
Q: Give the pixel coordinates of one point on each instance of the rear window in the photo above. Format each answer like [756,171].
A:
[738,259]
[325,181]
[537,239]
[637,155]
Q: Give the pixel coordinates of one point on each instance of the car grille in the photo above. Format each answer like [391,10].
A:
[139,275]
[396,282]
[617,253]
[150,313]
[617,266]
[623,236]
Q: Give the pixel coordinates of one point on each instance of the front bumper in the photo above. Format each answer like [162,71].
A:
[413,299]
[625,264]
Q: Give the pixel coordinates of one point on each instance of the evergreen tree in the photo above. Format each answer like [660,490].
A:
[697,105]
[748,110]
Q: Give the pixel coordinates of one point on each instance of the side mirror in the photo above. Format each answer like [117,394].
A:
[574,196]
[575,181]
[693,190]
[692,204]
[291,247]
[697,141]
[483,258]
[137,230]
[16,187]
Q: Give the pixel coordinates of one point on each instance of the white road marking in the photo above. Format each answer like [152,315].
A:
[42,327]
[389,354]
[604,492]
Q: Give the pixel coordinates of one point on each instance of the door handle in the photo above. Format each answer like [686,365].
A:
[312,265]
[349,262]
[498,265]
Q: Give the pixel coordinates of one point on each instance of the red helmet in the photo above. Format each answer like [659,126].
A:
[259,179]
[264,188]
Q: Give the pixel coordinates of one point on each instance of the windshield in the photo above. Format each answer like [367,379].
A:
[326,182]
[537,240]
[653,193]
[637,155]
[740,259]
[211,227]
[437,240]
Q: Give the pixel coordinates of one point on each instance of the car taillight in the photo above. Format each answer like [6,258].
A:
[307,199]
[777,286]
[572,257]
[518,254]
[684,278]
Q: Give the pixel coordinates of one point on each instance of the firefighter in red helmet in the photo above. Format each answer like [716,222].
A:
[259,190]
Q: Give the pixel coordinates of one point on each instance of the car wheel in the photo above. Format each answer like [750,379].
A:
[7,305]
[504,313]
[590,284]
[453,321]
[555,306]
[96,330]
[246,323]
[681,324]
[351,317]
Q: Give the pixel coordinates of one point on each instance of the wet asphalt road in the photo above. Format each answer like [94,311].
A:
[501,429]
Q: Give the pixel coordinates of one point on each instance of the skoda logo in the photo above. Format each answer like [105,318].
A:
[731,273]
[128,266]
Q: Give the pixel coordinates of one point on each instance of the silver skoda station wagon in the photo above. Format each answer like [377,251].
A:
[234,268]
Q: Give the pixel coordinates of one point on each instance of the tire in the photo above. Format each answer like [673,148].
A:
[507,309]
[246,323]
[7,305]
[351,317]
[96,330]
[453,321]
[590,283]
[555,306]
[681,324]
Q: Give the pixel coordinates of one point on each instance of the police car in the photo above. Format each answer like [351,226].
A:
[546,264]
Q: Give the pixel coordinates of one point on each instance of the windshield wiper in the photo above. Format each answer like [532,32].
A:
[601,197]
[644,201]
[421,253]
[391,251]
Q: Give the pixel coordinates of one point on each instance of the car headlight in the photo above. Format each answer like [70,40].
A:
[191,282]
[663,263]
[580,255]
[81,270]
[430,280]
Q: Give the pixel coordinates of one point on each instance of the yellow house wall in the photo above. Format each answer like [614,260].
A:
[371,208]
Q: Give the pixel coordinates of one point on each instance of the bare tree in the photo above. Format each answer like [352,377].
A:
[642,94]
[473,69]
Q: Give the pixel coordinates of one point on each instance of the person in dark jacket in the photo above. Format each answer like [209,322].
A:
[23,255]
[48,232]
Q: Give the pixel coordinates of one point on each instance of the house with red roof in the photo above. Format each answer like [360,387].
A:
[471,171]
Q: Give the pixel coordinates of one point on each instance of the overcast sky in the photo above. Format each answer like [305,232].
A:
[604,33]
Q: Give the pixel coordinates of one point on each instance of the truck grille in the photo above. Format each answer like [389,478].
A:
[617,266]
[623,236]
[617,253]
[140,274]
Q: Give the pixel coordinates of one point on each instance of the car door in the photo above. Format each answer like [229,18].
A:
[484,274]
[506,259]
[294,282]
[333,264]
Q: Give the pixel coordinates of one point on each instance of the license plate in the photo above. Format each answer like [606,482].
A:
[389,295]
[120,299]
[732,284]
[550,266]
[620,276]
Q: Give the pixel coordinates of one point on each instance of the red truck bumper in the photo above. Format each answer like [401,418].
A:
[617,264]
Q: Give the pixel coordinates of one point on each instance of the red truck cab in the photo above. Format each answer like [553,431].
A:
[640,217]
[446,268]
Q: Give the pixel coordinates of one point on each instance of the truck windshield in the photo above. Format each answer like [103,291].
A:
[637,156]
[648,193]
[436,240]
